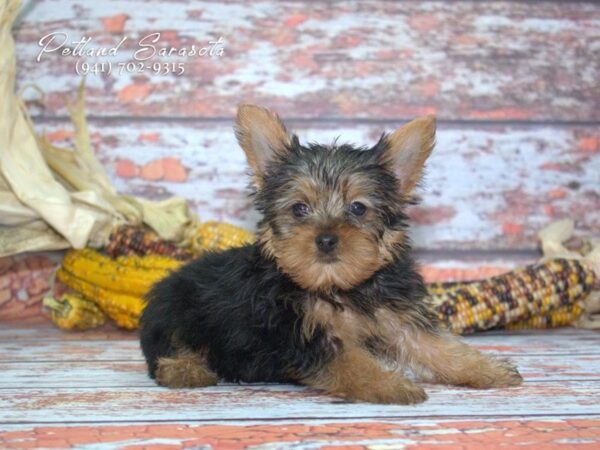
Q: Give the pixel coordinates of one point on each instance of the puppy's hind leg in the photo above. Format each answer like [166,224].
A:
[185,369]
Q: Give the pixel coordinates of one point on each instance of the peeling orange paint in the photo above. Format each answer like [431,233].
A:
[428,88]
[174,170]
[149,137]
[126,168]
[589,144]
[433,274]
[115,24]
[295,20]
[465,39]
[59,135]
[501,113]
[551,166]
[557,193]
[133,92]
[286,37]
[549,210]
[423,22]
[153,171]
[431,215]
[512,228]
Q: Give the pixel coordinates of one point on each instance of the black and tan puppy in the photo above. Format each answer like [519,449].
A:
[329,295]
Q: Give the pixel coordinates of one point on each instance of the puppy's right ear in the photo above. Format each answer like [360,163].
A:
[262,136]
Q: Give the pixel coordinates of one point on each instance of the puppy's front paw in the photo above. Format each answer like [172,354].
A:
[397,391]
[497,373]
[410,395]
[508,375]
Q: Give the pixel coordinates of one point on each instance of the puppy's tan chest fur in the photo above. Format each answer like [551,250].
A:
[345,324]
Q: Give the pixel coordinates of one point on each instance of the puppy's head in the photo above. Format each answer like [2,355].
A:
[333,214]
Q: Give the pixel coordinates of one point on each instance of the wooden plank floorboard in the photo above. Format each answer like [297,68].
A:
[504,344]
[63,405]
[107,374]
[61,389]
[14,331]
[388,434]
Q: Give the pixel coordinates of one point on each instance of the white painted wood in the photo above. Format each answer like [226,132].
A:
[505,344]
[109,374]
[15,331]
[10,332]
[282,401]
[479,190]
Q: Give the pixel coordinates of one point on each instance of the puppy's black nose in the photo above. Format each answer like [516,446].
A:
[326,242]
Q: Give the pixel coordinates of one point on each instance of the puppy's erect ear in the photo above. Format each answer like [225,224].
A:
[262,136]
[406,150]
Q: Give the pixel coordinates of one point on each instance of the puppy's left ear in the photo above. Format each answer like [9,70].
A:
[406,150]
[263,137]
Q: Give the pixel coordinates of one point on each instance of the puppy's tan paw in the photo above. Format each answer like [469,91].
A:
[186,370]
[507,375]
[400,392]
[496,374]
[411,396]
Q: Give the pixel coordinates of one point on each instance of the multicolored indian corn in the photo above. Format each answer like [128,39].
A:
[549,293]
[136,240]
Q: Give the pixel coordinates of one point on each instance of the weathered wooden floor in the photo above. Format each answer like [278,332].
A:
[90,390]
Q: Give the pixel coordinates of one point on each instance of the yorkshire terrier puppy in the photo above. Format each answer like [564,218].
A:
[329,295]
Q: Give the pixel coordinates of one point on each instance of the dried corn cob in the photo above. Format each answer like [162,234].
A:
[215,236]
[73,312]
[150,262]
[124,309]
[526,294]
[133,240]
[563,316]
[131,275]
[116,285]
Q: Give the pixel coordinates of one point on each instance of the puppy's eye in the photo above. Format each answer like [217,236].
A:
[357,208]
[300,209]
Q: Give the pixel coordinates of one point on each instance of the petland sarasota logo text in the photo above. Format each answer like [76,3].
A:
[147,54]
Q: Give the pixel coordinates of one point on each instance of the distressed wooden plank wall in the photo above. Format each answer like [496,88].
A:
[394,60]
[472,196]
[514,85]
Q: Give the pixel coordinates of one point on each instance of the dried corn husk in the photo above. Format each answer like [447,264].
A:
[53,198]
[22,166]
